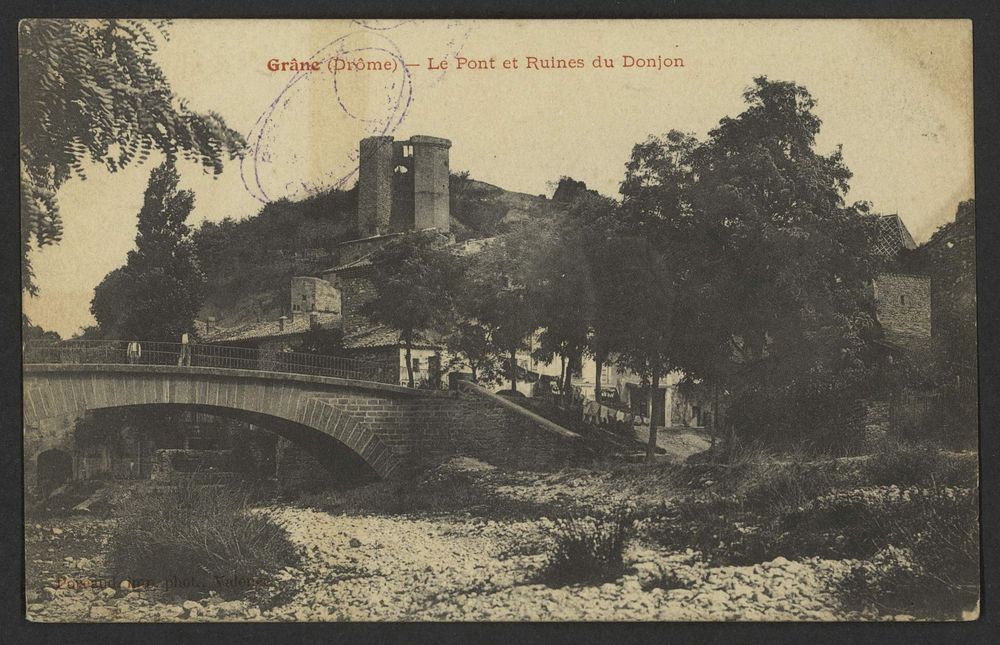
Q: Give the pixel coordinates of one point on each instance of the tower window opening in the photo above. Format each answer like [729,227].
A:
[407,151]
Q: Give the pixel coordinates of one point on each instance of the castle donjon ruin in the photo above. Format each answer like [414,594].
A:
[402,185]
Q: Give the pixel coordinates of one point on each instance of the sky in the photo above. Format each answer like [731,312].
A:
[896,94]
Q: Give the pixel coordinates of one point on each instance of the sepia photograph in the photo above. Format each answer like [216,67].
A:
[498,320]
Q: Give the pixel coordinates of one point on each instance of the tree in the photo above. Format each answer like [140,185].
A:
[470,344]
[412,281]
[654,272]
[599,225]
[770,213]
[557,275]
[772,266]
[111,304]
[90,91]
[497,300]
[158,292]
[651,302]
[327,342]
[31,331]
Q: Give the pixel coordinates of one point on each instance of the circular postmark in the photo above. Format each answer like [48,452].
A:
[306,140]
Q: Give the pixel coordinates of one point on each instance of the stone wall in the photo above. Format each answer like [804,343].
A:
[313,294]
[355,290]
[903,305]
[482,426]
[375,165]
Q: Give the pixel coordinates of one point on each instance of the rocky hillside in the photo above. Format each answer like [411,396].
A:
[249,262]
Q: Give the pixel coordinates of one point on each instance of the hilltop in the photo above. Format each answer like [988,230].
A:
[249,262]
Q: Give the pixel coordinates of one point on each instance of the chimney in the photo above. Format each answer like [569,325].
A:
[210,325]
[281,323]
[313,319]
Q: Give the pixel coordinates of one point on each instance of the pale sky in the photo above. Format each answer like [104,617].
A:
[897,94]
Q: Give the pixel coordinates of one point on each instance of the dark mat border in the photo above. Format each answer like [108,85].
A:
[15,629]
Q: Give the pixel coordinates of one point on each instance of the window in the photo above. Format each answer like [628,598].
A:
[407,151]
[415,362]
[902,300]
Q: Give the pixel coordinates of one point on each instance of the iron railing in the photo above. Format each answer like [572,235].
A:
[124,352]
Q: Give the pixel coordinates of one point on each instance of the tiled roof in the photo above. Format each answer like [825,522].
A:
[383,337]
[297,324]
[889,234]
[361,263]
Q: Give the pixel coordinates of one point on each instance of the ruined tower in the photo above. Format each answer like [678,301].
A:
[402,185]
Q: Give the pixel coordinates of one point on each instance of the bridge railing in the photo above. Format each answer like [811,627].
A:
[124,352]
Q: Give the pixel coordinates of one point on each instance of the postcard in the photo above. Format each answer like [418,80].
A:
[498,320]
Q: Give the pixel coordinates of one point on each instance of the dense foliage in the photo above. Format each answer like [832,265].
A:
[760,266]
[90,91]
[158,292]
[250,261]
[413,280]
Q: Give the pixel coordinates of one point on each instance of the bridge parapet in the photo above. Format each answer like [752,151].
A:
[132,352]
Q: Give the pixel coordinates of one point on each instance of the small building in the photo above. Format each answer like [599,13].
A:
[384,346]
[314,306]
[902,296]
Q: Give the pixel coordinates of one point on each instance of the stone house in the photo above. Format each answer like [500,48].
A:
[313,305]
[902,295]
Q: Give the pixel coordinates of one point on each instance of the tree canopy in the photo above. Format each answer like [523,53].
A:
[412,278]
[91,91]
[158,292]
[750,268]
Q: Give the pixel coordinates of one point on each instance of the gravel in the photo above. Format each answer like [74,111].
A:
[444,567]
[457,567]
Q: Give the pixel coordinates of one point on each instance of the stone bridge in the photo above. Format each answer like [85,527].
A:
[388,429]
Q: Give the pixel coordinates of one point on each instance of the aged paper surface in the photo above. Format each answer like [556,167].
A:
[488,320]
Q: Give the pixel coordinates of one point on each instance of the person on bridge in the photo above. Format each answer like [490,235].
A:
[185,358]
[134,352]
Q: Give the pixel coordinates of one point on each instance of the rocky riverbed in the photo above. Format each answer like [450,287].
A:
[470,542]
[441,567]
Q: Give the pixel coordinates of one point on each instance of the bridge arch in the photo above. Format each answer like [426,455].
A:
[323,414]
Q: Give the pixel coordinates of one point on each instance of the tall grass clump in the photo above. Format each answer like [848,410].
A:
[930,563]
[588,550]
[190,536]
[907,464]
